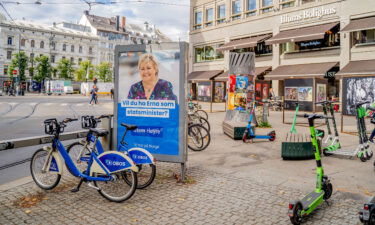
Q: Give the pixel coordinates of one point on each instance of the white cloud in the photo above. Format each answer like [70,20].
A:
[172,20]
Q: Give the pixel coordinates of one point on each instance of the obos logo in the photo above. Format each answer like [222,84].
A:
[114,163]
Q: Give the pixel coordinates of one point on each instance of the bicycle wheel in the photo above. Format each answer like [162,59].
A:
[76,151]
[145,175]
[202,113]
[204,122]
[44,179]
[198,137]
[195,140]
[117,190]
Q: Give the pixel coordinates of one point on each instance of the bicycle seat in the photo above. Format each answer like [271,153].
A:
[128,126]
[99,132]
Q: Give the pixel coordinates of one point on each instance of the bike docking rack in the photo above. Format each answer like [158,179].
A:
[39,140]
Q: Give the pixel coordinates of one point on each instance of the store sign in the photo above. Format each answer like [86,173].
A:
[330,74]
[310,43]
[318,12]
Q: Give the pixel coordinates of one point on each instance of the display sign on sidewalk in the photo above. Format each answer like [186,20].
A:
[150,93]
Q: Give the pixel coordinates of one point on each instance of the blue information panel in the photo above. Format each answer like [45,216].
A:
[150,92]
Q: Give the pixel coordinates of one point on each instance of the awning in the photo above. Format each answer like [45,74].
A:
[358,68]
[203,75]
[300,71]
[222,77]
[244,43]
[360,24]
[301,34]
[258,71]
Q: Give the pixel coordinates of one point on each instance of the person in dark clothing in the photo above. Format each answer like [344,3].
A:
[94,98]
[112,93]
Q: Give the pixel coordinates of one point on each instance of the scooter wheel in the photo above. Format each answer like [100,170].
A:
[369,154]
[328,189]
[363,158]
[273,135]
[244,136]
[296,218]
[325,152]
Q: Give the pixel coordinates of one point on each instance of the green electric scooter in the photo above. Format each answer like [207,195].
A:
[332,140]
[323,191]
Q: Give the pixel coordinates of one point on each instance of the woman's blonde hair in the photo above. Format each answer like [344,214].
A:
[145,58]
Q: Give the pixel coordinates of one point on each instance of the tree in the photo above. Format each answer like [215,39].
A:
[65,69]
[43,68]
[85,71]
[19,61]
[103,71]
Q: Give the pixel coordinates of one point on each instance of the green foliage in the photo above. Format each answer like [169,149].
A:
[31,71]
[103,71]
[65,69]
[54,71]
[43,68]
[264,125]
[85,71]
[19,61]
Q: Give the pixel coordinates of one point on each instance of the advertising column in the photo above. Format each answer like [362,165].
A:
[150,93]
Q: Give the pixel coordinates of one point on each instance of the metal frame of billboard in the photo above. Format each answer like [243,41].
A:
[183,47]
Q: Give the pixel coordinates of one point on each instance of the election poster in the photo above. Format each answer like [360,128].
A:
[150,95]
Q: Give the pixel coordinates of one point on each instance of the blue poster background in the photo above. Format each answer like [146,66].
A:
[156,135]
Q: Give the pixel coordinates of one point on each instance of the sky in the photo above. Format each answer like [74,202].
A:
[171,17]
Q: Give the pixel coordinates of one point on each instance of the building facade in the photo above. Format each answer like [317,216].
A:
[297,43]
[116,31]
[93,38]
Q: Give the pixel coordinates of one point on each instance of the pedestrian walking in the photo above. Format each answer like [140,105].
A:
[93,95]
[112,93]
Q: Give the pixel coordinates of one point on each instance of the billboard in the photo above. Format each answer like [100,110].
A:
[150,93]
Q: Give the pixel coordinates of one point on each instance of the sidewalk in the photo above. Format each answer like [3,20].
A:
[229,183]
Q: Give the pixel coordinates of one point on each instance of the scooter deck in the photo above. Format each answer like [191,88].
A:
[346,153]
[311,201]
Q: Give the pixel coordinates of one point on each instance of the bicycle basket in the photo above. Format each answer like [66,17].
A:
[88,122]
[50,126]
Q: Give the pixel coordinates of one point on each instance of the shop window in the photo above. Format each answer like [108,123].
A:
[267,6]
[9,54]
[307,1]
[251,5]
[221,14]
[363,37]
[286,4]
[209,17]
[208,53]
[197,20]
[331,39]
[260,50]
[236,9]
[10,40]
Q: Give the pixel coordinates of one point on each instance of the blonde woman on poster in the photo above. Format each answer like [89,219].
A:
[151,87]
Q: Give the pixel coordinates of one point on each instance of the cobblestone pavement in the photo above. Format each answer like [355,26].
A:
[210,198]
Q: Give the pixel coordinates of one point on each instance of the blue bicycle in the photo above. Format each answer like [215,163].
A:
[141,157]
[104,172]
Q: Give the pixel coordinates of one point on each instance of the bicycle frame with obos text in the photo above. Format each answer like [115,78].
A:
[104,163]
[138,155]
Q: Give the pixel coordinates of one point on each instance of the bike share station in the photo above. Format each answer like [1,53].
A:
[160,120]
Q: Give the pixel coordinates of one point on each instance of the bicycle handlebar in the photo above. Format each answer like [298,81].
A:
[105,116]
[356,105]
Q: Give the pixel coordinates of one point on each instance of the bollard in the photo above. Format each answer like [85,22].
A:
[106,123]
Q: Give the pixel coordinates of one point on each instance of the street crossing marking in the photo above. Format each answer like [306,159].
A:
[80,104]
[48,104]
[64,104]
